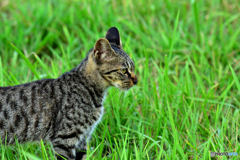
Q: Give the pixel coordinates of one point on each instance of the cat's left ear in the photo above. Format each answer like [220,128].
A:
[103,50]
[113,37]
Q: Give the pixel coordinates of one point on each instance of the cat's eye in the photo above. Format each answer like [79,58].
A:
[124,70]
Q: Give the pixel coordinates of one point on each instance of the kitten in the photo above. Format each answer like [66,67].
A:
[66,110]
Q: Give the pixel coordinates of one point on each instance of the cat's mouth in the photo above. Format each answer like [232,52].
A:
[124,85]
[125,88]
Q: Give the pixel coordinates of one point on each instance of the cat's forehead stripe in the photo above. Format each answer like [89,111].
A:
[129,61]
[127,64]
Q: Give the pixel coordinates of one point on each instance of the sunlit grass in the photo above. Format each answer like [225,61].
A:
[186,103]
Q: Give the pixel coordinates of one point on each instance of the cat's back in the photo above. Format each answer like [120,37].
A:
[23,92]
[21,110]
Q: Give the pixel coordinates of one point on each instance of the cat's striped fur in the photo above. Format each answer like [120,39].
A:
[66,110]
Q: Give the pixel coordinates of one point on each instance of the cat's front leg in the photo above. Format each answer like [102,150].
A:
[80,155]
[81,150]
[64,149]
[62,154]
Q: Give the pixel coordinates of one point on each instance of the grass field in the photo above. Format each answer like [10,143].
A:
[187,57]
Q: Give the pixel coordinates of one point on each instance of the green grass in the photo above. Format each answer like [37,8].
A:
[187,59]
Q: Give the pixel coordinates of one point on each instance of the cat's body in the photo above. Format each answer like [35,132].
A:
[66,110]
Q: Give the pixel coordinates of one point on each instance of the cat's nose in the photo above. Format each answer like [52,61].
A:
[135,80]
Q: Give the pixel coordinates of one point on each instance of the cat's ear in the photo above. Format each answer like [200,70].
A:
[113,37]
[103,50]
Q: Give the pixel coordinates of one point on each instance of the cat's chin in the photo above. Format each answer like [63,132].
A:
[124,88]
[121,88]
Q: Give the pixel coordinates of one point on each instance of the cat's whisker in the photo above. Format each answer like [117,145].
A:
[114,96]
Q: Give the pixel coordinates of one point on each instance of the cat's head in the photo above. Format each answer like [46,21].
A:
[113,64]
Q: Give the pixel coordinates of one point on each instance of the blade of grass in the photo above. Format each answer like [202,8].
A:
[44,153]
[45,67]
[26,61]
[235,78]
[1,72]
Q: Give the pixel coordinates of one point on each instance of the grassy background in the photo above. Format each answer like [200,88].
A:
[187,57]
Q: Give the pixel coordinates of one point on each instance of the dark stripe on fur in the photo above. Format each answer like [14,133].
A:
[67,136]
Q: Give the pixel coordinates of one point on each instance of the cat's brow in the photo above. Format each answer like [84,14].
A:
[111,71]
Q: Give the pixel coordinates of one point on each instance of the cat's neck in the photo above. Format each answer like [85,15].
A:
[87,71]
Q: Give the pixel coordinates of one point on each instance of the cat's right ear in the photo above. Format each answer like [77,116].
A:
[102,50]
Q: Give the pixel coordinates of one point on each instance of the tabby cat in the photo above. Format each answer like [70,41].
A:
[66,110]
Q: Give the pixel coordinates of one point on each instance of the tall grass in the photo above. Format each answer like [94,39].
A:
[186,103]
